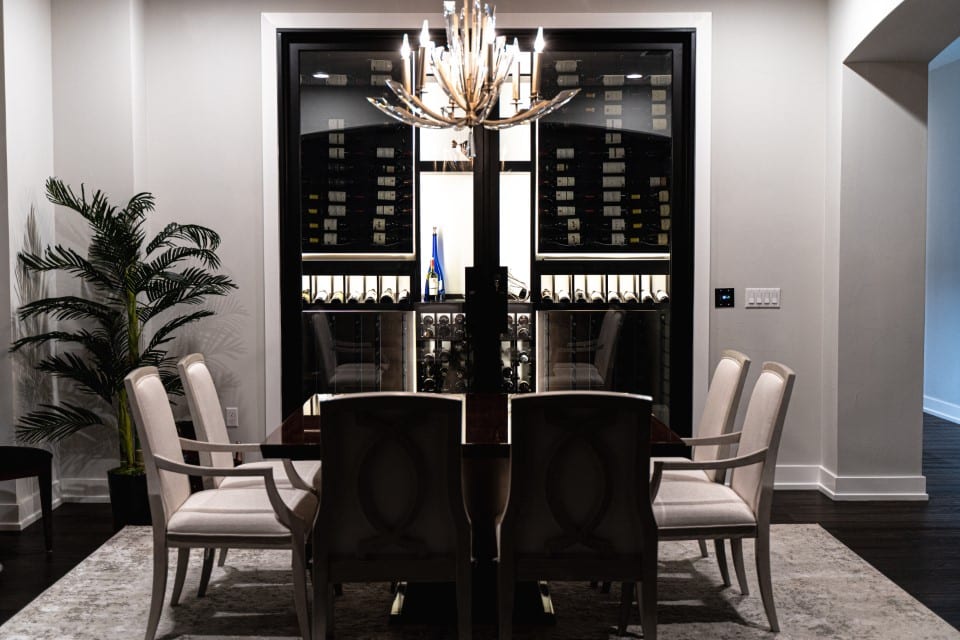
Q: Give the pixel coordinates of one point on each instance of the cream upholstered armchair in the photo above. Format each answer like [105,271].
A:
[719,413]
[205,411]
[688,508]
[578,506]
[259,515]
[392,507]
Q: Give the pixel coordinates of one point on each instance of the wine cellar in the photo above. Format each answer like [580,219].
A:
[584,216]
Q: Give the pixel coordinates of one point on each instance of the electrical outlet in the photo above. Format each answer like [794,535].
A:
[233,417]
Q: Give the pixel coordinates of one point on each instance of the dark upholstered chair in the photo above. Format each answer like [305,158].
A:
[26,462]
[579,503]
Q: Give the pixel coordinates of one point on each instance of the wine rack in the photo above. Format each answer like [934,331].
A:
[517,350]
[603,289]
[367,291]
[443,356]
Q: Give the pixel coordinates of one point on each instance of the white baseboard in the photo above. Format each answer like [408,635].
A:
[21,514]
[85,489]
[942,409]
[792,477]
[850,488]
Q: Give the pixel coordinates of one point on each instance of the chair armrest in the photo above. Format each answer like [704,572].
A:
[283,513]
[295,478]
[228,447]
[727,438]
[659,466]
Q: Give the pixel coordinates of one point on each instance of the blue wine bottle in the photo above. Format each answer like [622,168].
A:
[441,293]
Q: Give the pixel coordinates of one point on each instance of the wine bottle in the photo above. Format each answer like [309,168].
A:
[429,385]
[431,287]
[579,296]
[563,296]
[458,318]
[387,297]
[546,296]
[523,357]
[370,297]
[429,359]
[336,298]
[403,296]
[646,298]
[438,265]
[523,386]
[661,297]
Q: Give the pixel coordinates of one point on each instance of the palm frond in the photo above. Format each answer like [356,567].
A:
[68,308]
[94,380]
[202,237]
[55,422]
[66,259]
[164,335]
[97,211]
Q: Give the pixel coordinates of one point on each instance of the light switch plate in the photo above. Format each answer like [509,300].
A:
[762,298]
[233,417]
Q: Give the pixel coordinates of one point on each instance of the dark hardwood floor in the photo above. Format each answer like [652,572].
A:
[917,545]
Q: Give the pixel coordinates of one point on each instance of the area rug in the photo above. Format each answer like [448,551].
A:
[822,590]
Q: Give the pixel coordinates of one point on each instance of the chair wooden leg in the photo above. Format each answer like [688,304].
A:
[160,558]
[183,559]
[722,561]
[205,570]
[736,547]
[505,594]
[647,591]
[703,549]
[626,602]
[464,598]
[322,596]
[299,568]
[46,507]
[223,557]
[763,573]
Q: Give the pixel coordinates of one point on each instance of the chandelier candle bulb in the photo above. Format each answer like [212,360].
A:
[405,57]
[516,72]
[538,45]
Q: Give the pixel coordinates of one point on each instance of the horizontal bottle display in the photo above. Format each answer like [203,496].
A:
[355,289]
[598,289]
[443,357]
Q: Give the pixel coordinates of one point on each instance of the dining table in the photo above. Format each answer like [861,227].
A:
[485,457]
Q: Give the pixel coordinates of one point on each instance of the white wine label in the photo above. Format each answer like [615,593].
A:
[565,181]
[617,238]
[379,238]
[618,224]
[565,66]
[562,167]
[566,210]
[329,238]
[568,81]
[337,196]
[312,211]
[614,80]
[616,153]
[385,152]
[565,153]
[388,168]
[612,210]
[329,224]
[663,196]
[313,196]
[613,95]
[614,167]
[665,224]
[614,123]
[314,225]
[378,80]
[573,224]
[659,124]
[663,239]
[381,65]
[612,182]
[563,196]
[589,109]
[337,80]
[379,224]
[335,123]
[386,181]
[336,210]
[386,195]
[612,110]
[335,138]
[384,209]
[636,225]
[658,181]
[611,196]
[658,109]
[313,240]
[658,95]
[573,239]
[664,80]
[336,152]
[664,210]
[613,138]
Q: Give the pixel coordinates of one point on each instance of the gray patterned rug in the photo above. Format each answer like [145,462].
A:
[822,589]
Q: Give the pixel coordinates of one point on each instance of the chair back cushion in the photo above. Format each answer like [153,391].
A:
[607,345]
[720,408]
[158,436]
[391,478]
[204,403]
[762,427]
[579,479]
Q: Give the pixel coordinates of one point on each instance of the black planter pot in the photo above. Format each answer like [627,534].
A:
[128,499]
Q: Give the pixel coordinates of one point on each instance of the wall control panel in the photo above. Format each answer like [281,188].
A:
[768,298]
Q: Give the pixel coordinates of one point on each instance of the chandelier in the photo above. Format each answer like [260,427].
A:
[470,71]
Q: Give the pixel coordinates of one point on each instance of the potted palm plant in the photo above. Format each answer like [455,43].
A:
[136,293]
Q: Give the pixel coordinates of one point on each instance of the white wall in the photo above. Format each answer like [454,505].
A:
[28,160]
[942,347]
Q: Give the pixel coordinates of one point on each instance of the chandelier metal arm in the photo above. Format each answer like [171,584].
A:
[405,116]
[535,112]
[415,103]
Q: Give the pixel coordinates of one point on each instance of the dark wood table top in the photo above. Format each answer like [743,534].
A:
[298,436]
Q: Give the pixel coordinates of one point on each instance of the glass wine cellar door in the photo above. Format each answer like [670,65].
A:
[589,209]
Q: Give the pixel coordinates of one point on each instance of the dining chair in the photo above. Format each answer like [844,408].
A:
[208,422]
[691,509]
[261,516]
[719,413]
[392,507]
[578,505]
[598,374]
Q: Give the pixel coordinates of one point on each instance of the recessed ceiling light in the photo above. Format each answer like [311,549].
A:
[320,75]
[634,76]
